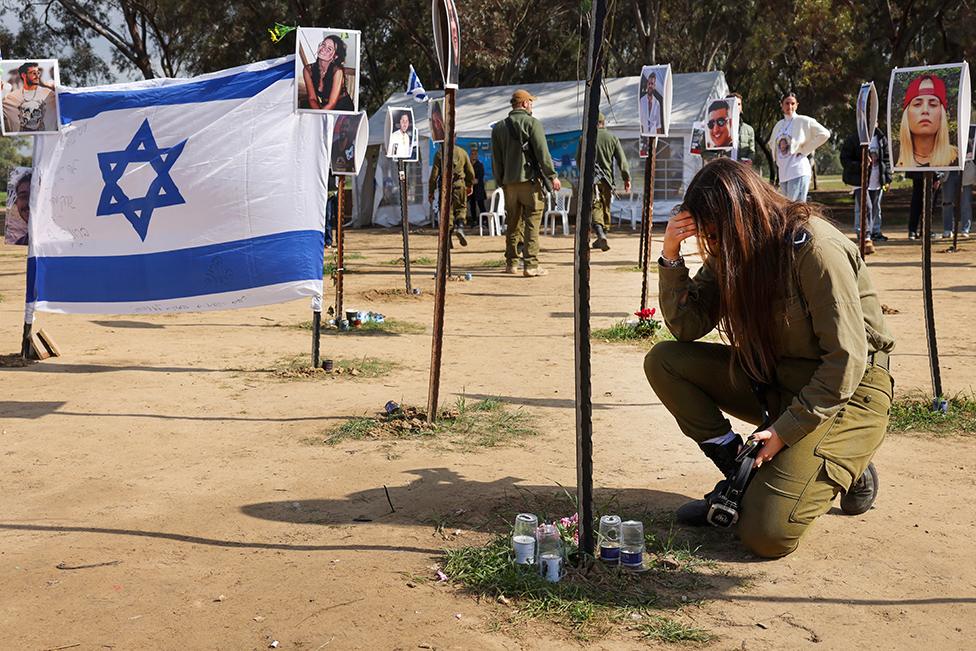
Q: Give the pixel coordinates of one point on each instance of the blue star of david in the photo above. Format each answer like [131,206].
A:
[162,191]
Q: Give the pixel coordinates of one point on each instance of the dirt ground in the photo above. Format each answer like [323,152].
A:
[162,452]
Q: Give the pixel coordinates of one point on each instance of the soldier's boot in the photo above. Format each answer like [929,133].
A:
[459,231]
[511,266]
[862,494]
[722,452]
[601,238]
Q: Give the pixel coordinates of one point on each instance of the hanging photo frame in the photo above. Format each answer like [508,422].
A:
[18,205]
[435,119]
[30,97]
[654,100]
[697,140]
[401,133]
[867,112]
[327,63]
[643,147]
[928,117]
[447,40]
[348,137]
[722,124]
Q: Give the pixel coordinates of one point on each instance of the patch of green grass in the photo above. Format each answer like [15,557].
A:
[297,367]
[914,414]
[422,261]
[491,264]
[652,269]
[622,331]
[484,424]
[331,263]
[389,326]
[671,631]
[586,602]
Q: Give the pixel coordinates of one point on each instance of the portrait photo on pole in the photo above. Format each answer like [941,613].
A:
[867,112]
[18,205]
[971,147]
[29,96]
[348,136]
[697,140]
[401,132]
[327,70]
[928,117]
[654,100]
[435,118]
[447,40]
[644,146]
[721,128]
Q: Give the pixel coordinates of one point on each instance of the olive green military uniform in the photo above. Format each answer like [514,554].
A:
[745,150]
[608,151]
[524,194]
[832,393]
[463,174]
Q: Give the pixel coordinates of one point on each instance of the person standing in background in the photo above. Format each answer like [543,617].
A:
[476,202]
[879,177]
[792,141]
[954,183]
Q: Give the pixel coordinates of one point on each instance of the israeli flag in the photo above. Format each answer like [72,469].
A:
[415,88]
[175,195]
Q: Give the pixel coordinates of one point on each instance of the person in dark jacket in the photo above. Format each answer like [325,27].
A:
[476,202]
[879,178]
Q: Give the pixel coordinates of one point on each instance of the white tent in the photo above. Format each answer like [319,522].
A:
[560,108]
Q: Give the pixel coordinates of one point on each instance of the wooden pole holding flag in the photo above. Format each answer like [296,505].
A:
[405,222]
[581,284]
[340,237]
[443,251]
[648,216]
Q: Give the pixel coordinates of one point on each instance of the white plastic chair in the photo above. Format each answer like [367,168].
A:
[494,215]
[631,210]
[557,205]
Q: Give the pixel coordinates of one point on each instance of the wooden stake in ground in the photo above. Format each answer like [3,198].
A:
[402,169]
[641,260]
[938,403]
[581,284]
[443,251]
[649,172]
[340,236]
[862,231]
[316,336]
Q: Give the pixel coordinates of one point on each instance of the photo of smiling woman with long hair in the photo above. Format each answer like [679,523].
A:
[924,111]
[327,69]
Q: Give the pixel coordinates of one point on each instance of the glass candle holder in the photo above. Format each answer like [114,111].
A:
[550,552]
[609,538]
[632,544]
[523,538]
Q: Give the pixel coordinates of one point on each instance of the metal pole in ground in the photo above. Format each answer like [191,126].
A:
[863,202]
[957,216]
[402,169]
[937,400]
[581,284]
[645,226]
[443,251]
[649,212]
[340,239]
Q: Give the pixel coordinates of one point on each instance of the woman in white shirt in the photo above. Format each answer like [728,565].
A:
[792,141]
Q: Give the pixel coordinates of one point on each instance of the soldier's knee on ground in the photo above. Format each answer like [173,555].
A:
[658,362]
[766,537]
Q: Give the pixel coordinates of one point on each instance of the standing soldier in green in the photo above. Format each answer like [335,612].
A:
[523,168]
[461,187]
[608,150]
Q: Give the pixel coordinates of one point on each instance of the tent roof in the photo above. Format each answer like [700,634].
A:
[560,105]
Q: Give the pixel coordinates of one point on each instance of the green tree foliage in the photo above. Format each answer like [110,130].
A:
[821,49]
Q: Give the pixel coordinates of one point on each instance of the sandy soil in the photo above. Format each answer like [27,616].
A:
[164,451]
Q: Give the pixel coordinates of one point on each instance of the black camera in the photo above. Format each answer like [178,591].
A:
[724,508]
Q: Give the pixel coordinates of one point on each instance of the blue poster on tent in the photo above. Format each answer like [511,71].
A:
[562,148]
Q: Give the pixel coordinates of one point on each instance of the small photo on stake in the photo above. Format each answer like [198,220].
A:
[721,129]
[928,117]
[401,133]
[347,147]
[29,92]
[18,206]
[327,70]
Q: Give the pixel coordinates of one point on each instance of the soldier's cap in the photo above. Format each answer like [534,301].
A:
[521,95]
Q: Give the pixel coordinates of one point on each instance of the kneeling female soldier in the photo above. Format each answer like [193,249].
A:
[793,298]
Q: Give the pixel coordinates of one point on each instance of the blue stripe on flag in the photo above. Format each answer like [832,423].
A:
[198,271]
[81,105]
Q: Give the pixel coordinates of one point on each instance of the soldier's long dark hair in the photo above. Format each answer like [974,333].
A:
[749,230]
